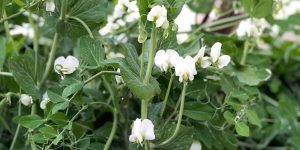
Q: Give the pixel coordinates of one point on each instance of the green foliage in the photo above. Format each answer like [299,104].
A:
[258,8]
[23,70]
[253,103]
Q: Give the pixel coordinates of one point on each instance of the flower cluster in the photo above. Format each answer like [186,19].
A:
[185,68]
[125,11]
[158,14]
[142,129]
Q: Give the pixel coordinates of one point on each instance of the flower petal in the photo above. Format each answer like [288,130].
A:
[223,61]
[205,62]
[215,51]
[148,129]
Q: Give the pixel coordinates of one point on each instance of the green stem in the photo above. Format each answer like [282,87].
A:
[50,60]
[35,44]
[113,130]
[7,31]
[144,109]
[83,24]
[167,96]
[151,56]
[223,26]
[219,22]
[6,74]
[54,44]
[179,116]
[245,53]
[99,74]
[12,146]
[18,13]
[142,61]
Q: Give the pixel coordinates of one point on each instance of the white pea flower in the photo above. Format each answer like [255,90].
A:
[166,59]
[50,5]
[45,100]
[185,68]
[247,28]
[66,65]
[24,29]
[217,59]
[203,60]
[26,99]
[143,129]
[158,14]
[196,146]
[118,78]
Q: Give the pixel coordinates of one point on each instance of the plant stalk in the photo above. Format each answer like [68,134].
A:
[167,95]
[179,116]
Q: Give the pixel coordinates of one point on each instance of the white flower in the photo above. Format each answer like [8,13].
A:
[45,100]
[220,61]
[66,65]
[166,59]
[158,14]
[26,99]
[50,5]
[25,29]
[118,78]
[185,68]
[142,130]
[196,145]
[203,60]
[247,28]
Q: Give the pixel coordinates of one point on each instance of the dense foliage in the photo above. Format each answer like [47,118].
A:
[78,74]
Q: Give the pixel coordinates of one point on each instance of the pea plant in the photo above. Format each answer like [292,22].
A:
[117,74]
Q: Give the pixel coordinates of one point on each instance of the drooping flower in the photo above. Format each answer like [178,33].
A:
[201,59]
[45,100]
[158,14]
[217,59]
[166,59]
[143,129]
[185,68]
[196,145]
[66,65]
[50,5]
[26,99]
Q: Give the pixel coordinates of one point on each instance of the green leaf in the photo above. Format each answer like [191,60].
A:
[201,6]
[258,8]
[59,118]
[31,121]
[198,111]
[2,51]
[253,118]
[60,106]
[130,75]
[55,98]
[229,117]
[91,51]
[182,141]
[73,88]
[22,68]
[174,8]
[48,131]
[92,12]
[251,76]
[242,129]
